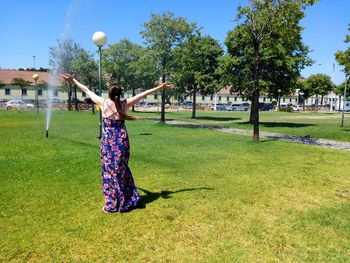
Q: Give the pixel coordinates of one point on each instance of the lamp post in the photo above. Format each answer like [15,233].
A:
[100,39]
[36,77]
[279,99]
[344,101]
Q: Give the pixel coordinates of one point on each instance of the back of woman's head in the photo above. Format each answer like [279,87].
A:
[114,93]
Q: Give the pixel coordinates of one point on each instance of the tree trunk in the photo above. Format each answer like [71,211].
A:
[76,100]
[256,93]
[194,101]
[255,114]
[321,100]
[162,112]
[133,94]
[70,98]
[251,117]
[93,105]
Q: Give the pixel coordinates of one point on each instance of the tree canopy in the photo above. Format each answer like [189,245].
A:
[265,51]
[162,34]
[343,57]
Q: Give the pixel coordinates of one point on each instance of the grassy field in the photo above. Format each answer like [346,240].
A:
[316,125]
[210,197]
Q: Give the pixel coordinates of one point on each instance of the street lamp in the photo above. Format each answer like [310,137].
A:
[279,99]
[36,77]
[100,39]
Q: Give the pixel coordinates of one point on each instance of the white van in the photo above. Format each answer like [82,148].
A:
[347,106]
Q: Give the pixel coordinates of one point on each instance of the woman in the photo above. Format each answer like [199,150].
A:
[117,182]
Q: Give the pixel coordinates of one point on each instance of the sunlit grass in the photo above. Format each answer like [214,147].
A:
[210,197]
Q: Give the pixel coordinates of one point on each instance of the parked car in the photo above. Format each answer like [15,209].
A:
[229,107]
[297,107]
[219,106]
[55,100]
[150,104]
[18,105]
[73,100]
[266,106]
[240,107]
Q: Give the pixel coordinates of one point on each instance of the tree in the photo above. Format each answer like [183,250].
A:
[265,51]
[22,83]
[61,58]
[130,66]
[343,57]
[339,90]
[319,84]
[163,33]
[197,61]
[86,67]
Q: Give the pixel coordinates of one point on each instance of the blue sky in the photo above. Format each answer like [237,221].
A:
[31,27]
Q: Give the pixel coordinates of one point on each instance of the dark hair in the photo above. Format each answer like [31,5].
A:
[114,93]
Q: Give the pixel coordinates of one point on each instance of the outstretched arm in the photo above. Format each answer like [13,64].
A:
[95,98]
[138,97]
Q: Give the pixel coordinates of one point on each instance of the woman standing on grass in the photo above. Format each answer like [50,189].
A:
[117,182]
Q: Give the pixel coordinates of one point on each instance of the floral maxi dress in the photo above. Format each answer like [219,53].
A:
[117,182]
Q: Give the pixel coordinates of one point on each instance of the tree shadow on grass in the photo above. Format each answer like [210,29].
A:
[150,197]
[208,118]
[281,124]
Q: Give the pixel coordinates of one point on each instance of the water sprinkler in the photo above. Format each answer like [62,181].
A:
[47,133]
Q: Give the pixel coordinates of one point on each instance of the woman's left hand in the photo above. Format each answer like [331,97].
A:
[67,77]
[166,86]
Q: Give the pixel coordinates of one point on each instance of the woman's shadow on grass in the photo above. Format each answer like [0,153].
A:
[150,197]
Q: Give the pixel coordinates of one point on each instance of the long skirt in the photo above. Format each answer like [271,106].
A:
[118,184]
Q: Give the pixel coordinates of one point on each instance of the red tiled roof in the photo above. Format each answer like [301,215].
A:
[7,75]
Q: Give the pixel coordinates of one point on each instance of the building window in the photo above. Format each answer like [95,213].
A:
[7,92]
[203,97]
[296,100]
[40,92]
[235,98]
[55,93]
[290,99]
[284,100]
[228,99]
[219,98]
[264,99]
[155,96]
[24,92]
[83,94]
[211,97]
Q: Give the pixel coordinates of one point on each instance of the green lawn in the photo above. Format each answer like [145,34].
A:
[210,197]
[316,125]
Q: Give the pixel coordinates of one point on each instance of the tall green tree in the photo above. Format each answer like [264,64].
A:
[197,61]
[265,51]
[319,85]
[86,67]
[130,66]
[162,34]
[61,58]
[21,83]
[343,57]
